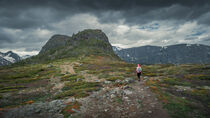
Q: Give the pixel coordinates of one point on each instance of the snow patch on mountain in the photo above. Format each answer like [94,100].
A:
[25,57]
[164,47]
[9,58]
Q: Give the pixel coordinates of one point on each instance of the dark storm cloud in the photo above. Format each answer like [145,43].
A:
[4,38]
[36,20]
[15,13]
[206,39]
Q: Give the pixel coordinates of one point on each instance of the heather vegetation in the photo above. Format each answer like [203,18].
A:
[183,89]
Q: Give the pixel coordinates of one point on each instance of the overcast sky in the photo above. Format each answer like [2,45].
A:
[26,25]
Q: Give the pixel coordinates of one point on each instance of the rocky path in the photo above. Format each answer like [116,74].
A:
[67,68]
[133,101]
[151,106]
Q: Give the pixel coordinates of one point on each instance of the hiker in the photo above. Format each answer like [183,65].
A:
[138,71]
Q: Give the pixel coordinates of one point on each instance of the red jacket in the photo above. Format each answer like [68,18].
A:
[138,66]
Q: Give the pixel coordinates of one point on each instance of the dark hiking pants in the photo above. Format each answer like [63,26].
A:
[139,76]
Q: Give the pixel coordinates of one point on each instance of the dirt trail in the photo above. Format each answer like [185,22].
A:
[133,101]
[149,102]
[67,68]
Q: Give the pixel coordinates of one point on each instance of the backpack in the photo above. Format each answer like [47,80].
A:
[139,70]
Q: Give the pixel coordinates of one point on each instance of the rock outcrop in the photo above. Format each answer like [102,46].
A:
[87,42]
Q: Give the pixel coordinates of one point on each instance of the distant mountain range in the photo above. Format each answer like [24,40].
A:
[8,58]
[11,57]
[95,42]
[175,54]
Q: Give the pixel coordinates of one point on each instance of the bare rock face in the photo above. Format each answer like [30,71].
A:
[57,41]
[87,42]
[91,34]
[54,42]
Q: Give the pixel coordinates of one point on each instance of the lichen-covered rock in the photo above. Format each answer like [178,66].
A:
[128,80]
[118,81]
[54,42]
[41,109]
[107,82]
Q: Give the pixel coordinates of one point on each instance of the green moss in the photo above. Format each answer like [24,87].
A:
[174,81]
[10,89]
[103,75]
[176,106]
[78,89]
[185,103]
[26,74]
[115,78]
[151,74]
[201,95]
[71,77]
[118,99]
[81,85]
[198,76]
[178,110]
[17,99]
[93,72]
[82,92]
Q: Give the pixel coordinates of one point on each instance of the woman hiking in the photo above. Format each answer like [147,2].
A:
[138,71]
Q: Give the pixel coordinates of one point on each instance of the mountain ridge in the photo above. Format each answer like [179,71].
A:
[84,43]
[8,58]
[175,54]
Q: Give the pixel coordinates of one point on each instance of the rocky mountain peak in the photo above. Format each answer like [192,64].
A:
[63,40]
[55,41]
[86,42]
[91,34]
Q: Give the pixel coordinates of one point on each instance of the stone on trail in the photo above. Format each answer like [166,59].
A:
[128,80]
[118,81]
[127,92]
[149,111]
[113,96]
[107,82]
